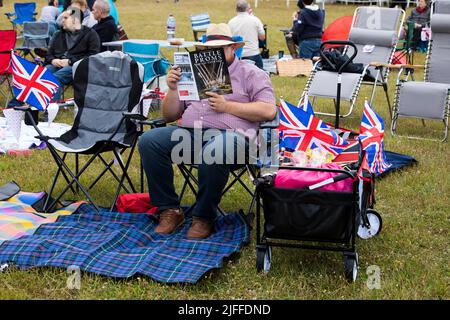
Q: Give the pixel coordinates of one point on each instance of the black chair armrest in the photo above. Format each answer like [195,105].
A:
[272,124]
[155,123]
[134,116]
[9,14]
[23,108]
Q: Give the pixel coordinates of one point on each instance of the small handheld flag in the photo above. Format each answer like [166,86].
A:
[371,137]
[32,83]
[301,130]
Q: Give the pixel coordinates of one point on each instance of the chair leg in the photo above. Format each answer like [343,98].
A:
[75,178]
[124,175]
[123,168]
[107,168]
[385,87]
[77,168]
[188,177]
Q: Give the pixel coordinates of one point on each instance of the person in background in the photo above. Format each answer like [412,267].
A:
[66,4]
[308,28]
[72,43]
[49,14]
[290,36]
[88,18]
[90,4]
[106,27]
[401,3]
[420,17]
[251,29]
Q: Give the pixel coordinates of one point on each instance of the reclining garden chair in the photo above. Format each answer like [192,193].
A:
[149,56]
[429,99]
[107,89]
[374,32]
[23,12]
[7,43]
[200,23]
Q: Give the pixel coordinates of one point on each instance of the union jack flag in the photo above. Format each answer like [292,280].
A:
[33,84]
[371,137]
[301,130]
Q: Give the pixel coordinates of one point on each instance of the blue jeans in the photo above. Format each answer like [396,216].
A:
[258,60]
[64,76]
[155,147]
[309,48]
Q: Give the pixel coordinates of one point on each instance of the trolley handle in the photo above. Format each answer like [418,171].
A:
[338,42]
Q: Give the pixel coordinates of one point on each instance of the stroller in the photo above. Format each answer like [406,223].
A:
[311,218]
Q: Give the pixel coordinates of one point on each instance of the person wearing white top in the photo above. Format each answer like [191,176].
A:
[251,29]
[49,14]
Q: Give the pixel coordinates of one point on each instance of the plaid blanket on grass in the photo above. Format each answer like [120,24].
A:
[124,244]
[18,218]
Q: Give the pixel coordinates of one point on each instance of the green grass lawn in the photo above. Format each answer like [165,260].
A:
[411,251]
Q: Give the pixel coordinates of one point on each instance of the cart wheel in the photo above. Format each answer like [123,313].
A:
[263,258]
[375,223]
[351,267]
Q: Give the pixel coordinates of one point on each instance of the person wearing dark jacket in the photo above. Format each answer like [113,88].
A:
[308,28]
[419,18]
[74,42]
[106,27]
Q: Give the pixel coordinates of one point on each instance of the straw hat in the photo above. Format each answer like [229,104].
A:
[218,35]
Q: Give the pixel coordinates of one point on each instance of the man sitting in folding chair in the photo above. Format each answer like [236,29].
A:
[70,45]
[252,102]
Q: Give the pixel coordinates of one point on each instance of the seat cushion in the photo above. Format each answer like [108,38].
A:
[324,84]
[423,100]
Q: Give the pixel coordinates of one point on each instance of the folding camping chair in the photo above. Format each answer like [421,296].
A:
[429,99]
[374,32]
[107,89]
[23,12]
[7,43]
[200,23]
[36,35]
[267,134]
[149,56]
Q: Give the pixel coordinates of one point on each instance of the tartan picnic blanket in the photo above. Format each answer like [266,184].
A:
[124,244]
[19,218]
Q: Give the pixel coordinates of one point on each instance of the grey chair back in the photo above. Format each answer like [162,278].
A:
[438,66]
[105,86]
[441,6]
[36,35]
[379,28]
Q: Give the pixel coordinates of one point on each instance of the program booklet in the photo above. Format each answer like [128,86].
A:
[202,71]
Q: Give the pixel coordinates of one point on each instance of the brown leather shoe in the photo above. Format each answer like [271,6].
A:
[200,228]
[170,220]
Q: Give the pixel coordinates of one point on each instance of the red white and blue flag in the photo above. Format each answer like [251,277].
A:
[371,138]
[32,83]
[301,130]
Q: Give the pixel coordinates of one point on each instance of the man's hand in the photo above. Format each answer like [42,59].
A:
[57,63]
[217,102]
[173,76]
[64,63]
